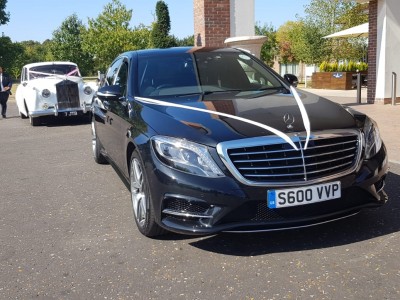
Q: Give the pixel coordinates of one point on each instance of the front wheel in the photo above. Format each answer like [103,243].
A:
[141,200]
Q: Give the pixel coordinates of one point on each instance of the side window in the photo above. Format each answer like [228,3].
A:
[122,77]
[112,72]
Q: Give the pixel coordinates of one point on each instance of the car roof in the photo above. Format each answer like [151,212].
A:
[48,63]
[174,50]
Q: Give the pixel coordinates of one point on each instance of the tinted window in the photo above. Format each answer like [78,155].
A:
[163,75]
[112,72]
[122,77]
[236,71]
[203,72]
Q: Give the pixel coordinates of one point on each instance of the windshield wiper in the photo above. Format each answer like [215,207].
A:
[208,92]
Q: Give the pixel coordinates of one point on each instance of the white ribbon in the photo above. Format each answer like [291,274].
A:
[304,115]
[303,111]
[52,74]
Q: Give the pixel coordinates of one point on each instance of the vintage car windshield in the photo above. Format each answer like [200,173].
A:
[205,73]
[52,70]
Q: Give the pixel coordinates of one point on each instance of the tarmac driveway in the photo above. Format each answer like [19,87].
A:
[66,232]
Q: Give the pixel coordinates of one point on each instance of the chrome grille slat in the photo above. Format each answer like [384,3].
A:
[261,152]
[264,160]
[328,169]
[269,168]
[271,161]
[333,152]
[276,175]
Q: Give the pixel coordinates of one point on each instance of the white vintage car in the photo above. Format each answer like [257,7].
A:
[53,88]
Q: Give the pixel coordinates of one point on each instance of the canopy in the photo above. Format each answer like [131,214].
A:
[357,31]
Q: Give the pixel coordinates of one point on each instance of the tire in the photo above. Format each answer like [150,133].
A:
[142,206]
[35,121]
[96,148]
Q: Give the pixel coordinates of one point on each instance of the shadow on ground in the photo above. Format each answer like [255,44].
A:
[368,224]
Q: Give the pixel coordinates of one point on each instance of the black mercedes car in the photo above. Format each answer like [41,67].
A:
[213,140]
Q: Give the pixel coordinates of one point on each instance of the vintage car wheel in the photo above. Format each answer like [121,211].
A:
[34,121]
[96,147]
[141,203]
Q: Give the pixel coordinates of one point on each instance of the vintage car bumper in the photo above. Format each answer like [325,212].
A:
[55,111]
[191,204]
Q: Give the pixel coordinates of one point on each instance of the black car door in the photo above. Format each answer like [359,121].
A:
[103,111]
[116,118]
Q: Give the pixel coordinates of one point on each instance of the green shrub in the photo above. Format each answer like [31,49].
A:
[350,66]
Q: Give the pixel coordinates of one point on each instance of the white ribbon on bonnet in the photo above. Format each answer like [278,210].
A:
[282,135]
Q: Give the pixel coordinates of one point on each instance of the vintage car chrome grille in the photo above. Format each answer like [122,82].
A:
[67,94]
[270,161]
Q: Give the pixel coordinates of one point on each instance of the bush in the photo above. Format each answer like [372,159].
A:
[350,66]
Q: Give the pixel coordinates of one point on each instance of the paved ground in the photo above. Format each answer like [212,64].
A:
[66,232]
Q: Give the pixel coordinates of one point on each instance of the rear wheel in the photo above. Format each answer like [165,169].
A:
[143,209]
[98,157]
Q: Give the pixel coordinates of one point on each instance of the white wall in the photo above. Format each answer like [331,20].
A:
[242,18]
[388,42]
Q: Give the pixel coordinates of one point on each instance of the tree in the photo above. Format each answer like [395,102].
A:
[160,34]
[285,39]
[187,41]
[109,34]
[324,17]
[67,44]
[4,16]
[270,48]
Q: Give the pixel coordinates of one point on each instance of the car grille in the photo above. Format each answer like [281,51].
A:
[266,161]
[67,94]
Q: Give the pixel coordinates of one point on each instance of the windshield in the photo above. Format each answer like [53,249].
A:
[206,73]
[52,70]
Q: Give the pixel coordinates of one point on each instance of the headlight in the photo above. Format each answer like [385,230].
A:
[46,93]
[373,142]
[186,156]
[87,90]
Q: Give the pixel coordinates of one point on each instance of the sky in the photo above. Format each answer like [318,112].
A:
[37,19]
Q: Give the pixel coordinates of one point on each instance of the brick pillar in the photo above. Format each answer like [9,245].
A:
[211,22]
[372,49]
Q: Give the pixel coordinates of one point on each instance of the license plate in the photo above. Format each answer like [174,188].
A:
[73,113]
[303,195]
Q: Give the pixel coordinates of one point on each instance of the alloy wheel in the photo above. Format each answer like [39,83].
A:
[138,193]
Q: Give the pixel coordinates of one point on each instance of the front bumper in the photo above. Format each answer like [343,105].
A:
[55,111]
[190,204]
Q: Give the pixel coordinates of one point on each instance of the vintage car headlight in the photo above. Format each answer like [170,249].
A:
[46,93]
[373,142]
[87,90]
[186,156]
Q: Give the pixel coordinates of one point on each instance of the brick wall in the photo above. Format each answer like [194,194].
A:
[211,22]
[372,50]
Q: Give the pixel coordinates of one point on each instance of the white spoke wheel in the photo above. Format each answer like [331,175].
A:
[141,202]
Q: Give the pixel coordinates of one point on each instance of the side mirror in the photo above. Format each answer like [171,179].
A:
[109,92]
[291,79]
